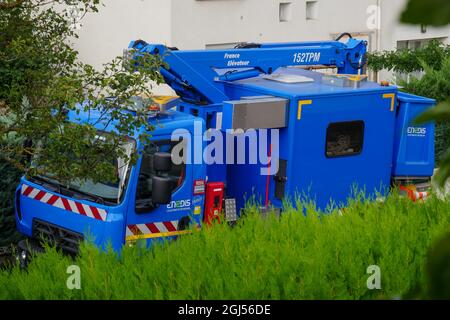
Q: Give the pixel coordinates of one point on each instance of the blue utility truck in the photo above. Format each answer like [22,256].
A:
[319,135]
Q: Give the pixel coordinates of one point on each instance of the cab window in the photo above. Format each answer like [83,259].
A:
[146,173]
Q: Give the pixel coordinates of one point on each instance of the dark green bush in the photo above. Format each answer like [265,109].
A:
[434,59]
[9,179]
[435,84]
[438,269]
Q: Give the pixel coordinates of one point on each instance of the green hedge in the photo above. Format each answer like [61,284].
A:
[442,140]
[434,59]
[9,179]
[298,256]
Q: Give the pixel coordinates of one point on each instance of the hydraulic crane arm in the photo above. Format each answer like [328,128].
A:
[198,75]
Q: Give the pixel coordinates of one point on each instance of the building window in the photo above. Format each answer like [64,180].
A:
[311,10]
[344,139]
[285,11]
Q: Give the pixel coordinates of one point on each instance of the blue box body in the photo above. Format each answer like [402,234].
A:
[414,143]
[302,143]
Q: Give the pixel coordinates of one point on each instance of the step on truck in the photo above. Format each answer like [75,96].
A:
[253,122]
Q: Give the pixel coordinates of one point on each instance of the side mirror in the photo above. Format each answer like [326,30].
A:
[162,162]
[161,190]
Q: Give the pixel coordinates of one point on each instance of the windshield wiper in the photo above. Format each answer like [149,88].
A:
[47,184]
[82,196]
[69,192]
[86,196]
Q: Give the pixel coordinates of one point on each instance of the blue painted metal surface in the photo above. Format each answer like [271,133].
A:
[192,74]
[309,171]
[414,143]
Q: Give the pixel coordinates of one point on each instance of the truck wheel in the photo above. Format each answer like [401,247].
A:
[23,255]
[184,223]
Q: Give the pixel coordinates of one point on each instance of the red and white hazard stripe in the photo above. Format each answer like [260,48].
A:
[420,195]
[64,203]
[153,229]
[415,195]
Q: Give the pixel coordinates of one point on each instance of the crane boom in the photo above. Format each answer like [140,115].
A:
[198,75]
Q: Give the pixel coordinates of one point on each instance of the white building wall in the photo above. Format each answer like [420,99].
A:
[104,35]
[196,23]
[392,31]
[200,24]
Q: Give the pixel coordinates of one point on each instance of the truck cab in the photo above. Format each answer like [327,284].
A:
[114,213]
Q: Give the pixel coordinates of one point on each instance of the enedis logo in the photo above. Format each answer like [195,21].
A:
[417,131]
[179,204]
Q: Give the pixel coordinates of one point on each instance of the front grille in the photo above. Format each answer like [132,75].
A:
[64,239]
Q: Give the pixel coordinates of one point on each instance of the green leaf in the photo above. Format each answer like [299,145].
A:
[444,170]
[438,269]
[439,113]
[43,79]
[427,12]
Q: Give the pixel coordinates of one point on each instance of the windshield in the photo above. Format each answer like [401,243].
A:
[101,192]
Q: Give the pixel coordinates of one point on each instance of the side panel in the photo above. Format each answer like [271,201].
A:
[414,144]
[252,181]
[317,172]
[245,182]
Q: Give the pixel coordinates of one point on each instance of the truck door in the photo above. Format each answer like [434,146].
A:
[150,221]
